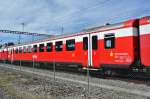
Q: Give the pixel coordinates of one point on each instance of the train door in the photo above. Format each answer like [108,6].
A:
[94,50]
[86,51]
[90,48]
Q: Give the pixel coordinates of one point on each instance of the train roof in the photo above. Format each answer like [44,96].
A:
[129,23]
[145,20]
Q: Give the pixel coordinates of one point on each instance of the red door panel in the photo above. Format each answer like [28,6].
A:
[145,41]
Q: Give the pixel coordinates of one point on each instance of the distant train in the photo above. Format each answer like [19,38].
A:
[117,47]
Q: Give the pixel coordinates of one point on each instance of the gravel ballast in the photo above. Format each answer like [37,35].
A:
[32,86]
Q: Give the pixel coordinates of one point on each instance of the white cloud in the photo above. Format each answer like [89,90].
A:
[47,16]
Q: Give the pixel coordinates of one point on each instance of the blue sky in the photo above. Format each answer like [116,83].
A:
[48,16]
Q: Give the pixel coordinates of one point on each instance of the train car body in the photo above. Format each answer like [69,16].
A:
[120,46]
[116,45]
[145,42]
[110,46]
[3,54]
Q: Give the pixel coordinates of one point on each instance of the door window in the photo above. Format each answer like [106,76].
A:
[85,43]
[94,42]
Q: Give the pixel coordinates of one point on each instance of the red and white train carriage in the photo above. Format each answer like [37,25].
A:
[124,45]
[144,29]
[3,54]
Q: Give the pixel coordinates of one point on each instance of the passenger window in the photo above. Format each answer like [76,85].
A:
[41,48]
[20,49]
[94,42]
[34,48]
[11,51]
[59,46]
[24,49]
[85,43]
[49,47]
[29,49]
[109,40]
[70,45]
[16,50]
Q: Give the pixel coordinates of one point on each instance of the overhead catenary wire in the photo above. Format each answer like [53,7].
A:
[122,15]
[100,4]
[79,10]
[24,33]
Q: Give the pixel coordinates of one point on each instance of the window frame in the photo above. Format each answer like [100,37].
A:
[16,51]
[72,42]
[24,49]
[60,43]
[110,37]
[94,42]
[85,43]
[12,50]
[35,48]
[20,50]
[51,47]
[29,49]
[41,47]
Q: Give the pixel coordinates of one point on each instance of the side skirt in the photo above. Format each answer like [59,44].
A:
[50,65]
